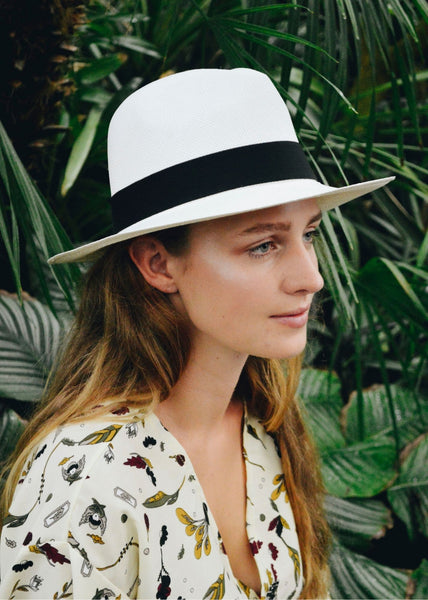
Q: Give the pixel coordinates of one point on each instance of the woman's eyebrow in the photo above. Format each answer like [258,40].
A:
[315,218]
[281,226]
[266,228]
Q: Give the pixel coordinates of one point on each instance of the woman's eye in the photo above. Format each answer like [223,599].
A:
[261,249]
[311,235]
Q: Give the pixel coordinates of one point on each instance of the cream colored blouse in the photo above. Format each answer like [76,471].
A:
[113,509]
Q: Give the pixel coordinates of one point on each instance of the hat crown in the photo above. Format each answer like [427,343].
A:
[192,114]
[201,145]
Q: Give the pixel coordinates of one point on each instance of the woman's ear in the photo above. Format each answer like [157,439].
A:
[150,257]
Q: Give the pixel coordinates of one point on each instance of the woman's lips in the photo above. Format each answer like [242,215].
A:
[295,319]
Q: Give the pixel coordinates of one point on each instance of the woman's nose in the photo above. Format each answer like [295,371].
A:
[301,273]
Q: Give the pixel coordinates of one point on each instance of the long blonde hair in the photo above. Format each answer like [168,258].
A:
[129,346]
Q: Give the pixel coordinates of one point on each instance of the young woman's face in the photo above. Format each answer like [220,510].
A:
[247,281]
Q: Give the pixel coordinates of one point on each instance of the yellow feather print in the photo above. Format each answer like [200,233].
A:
[102,435]
[216,590]
[197,527]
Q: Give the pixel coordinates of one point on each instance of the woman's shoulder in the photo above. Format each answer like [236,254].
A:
[75,501]
[94,436]
[83,455]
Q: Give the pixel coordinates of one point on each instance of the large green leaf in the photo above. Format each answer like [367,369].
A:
[29,343]
[362,469]
[355,576]
[320,392]
[410,414]
[356,522]
[324,427]
[409,494]
[359,469]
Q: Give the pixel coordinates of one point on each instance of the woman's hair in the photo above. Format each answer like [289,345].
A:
[128,347]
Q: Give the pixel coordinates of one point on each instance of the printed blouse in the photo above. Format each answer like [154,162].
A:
[113,509]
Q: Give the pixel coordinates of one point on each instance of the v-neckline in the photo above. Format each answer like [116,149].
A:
[182,450]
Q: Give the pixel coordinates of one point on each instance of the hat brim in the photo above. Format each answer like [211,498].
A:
[225,204]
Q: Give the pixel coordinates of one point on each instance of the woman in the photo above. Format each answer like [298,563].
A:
[169,458]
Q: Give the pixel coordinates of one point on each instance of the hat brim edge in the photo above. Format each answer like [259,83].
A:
[228,203]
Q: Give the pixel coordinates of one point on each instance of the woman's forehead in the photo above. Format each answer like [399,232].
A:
[276,217]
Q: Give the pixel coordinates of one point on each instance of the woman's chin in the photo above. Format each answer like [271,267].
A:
[285,353]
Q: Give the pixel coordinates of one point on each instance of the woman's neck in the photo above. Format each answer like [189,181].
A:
[199,401]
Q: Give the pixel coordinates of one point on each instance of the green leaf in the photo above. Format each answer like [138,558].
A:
[409,494]
[361,470]
[44,285]
[419,581]
[34,216]
[268,7]
[355,576]
[411,414]
[137,45]
[334,243]
[423,252]
[320,393]
[333,280]
[11,428]
[100,68]
[29,342]
[355,522]
[270,33]
[11,243]
[320,387]
[80,150]
[382,281]
[95,95]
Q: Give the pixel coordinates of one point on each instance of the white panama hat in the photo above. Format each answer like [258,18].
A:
[205,144]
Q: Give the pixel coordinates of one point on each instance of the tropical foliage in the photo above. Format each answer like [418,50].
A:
[354,76]
[375,488]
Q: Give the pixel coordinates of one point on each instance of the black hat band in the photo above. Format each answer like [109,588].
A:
[208,175]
